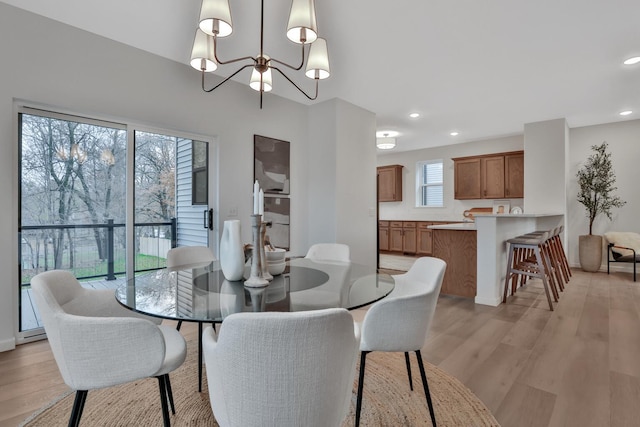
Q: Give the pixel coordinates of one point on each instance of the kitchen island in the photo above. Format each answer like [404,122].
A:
[456,245]
[491,232]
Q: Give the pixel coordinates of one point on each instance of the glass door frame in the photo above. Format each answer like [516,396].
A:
[130,127]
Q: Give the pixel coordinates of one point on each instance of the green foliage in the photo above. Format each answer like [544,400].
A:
[596,180]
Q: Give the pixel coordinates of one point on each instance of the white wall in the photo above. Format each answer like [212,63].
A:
[623,138]
[342,178]
[453,209]
[49,63]
[545,147]
[356,182]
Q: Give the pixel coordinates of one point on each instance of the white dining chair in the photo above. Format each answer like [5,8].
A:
[96,347]
[329,252]
[282,369]
[400,322]
[184,257]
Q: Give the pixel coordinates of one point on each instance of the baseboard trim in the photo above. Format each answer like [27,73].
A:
[494,302]
[7,345]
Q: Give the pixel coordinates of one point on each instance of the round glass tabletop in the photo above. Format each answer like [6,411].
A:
[202,294]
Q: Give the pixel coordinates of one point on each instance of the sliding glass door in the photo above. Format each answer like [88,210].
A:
[104,200]
[72,201]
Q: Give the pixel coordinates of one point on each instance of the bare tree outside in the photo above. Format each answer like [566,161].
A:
[73,194]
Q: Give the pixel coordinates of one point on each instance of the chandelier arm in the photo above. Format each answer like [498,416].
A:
[298,87]
[299,67]
[215,55]
[225,80]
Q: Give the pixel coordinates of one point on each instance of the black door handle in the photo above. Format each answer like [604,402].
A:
[210,220]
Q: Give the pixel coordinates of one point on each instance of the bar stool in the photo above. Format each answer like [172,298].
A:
[556,254]
[553,263]
[560,253]
[526,259]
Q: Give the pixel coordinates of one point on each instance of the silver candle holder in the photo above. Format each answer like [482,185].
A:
[263,256]
[256,279]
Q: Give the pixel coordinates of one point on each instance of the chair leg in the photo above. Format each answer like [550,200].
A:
[426,387]
[78,406]
[163,401]
[167,383]
[406,358]
[363,359]
[199,357]
[179,325]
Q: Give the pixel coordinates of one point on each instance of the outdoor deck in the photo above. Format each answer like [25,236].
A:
[31,317]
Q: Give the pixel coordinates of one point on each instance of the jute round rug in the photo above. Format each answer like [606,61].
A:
[387,400]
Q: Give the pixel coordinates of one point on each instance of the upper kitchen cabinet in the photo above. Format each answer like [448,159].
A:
[491,176]
[390,183]
[514,175]
[467,178]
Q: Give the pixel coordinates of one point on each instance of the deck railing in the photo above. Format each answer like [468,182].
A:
[92,250]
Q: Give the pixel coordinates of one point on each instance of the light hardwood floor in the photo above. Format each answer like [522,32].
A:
[576,366]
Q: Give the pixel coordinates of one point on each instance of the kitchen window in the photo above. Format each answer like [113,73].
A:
[429,185]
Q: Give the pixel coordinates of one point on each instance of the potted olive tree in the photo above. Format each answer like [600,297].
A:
[596,180]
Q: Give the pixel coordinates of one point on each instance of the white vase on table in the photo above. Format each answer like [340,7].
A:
[231,251]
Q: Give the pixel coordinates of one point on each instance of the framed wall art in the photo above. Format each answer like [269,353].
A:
[277,212]
[271,164]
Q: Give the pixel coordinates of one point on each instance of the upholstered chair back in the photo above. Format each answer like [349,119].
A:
[189,256]
[329,252]
[400,321]
[282,369]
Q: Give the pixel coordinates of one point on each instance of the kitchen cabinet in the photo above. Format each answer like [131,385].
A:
[409,239]
[514,175]
[425,238]
[398,236]
[383,235]
[458,248]
[467,179]
[395,236]
[390,183]
[492,176]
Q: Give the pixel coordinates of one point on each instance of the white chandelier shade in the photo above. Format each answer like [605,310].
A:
[318,61]
[203,54]
[215,18]
[262,82]
[302,27]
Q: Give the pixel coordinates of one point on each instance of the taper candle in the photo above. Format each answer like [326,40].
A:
[256,198]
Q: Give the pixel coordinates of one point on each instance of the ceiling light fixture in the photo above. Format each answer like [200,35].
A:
[215,22]
[414,115]
[454,134]
[626,112]
[385,142]
[632,60]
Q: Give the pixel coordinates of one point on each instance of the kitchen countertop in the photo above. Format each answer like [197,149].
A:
[469,226]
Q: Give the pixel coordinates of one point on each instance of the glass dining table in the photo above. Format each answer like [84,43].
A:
[201,294]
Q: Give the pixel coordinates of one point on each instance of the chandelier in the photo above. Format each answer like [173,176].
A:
[215,22]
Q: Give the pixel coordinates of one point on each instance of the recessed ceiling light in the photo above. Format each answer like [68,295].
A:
[626,112]
[454,134]
[387,134]
[632,61]
[414,115]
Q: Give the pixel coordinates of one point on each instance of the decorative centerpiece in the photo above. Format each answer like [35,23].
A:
[256,278]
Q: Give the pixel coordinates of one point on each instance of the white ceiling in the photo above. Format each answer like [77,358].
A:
[481,67]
